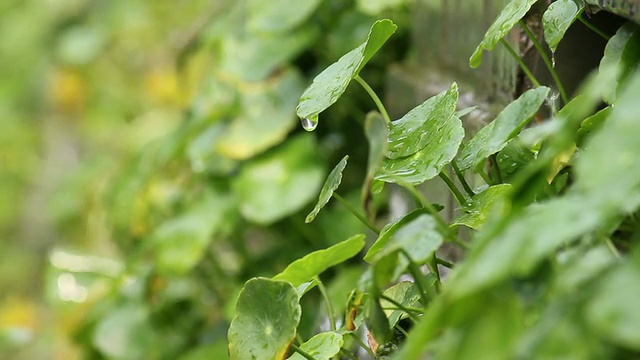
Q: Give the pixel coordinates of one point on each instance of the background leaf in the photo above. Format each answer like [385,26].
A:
[322,346]
[476,213]
[494,137]
[267,317]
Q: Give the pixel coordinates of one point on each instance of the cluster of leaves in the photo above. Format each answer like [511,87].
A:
[551,270]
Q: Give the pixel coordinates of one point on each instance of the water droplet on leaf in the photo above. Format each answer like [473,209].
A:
[309,123]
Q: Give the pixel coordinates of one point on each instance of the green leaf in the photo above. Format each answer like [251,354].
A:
[516,155]
[330,185]
[375,7]
[623,52]
[124,333]
[494,137]
[265,118]
[268,314]
[322,346]
[510,15]
[557,19]
[422,125]
[179,243]
[405,293]
[594,122]
[280,182]
[329,85]
[613,311]
[377,321]
[278,15]
[476,213]
[313,264]
[416,234]
[377,133]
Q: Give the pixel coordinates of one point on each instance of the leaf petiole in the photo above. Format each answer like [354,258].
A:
[355,213]
[374,97]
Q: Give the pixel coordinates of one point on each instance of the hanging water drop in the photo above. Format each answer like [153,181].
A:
[309,123]
[553,59]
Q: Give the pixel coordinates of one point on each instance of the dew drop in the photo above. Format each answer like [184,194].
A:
[553,59]
[309,123]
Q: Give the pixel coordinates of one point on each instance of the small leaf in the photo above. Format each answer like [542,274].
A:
[494,137]
[623,52]
[377,132]
[278,15]
[557,19]
[510,15]
[313,264]
[329,85]
[280,182]
[377,321]
[476,213]
[322,346]
[406,293]
[416,234]
[422,125]
[330,185]
[268,314]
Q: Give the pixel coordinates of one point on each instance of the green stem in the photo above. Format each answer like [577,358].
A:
[547,61]
[302,352]
[374,97]
[418,277]
[357,214]
[520,62]
[444,263]
[485,177]
[611,246]
[403,331]
[362,344]
[462,180]
[456,193]
[494,161]
[327,302]
[427,205]
[593,27]
[401,307]
[348,354]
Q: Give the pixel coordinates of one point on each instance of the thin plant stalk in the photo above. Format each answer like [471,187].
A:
[374,97]
[327,302]
[362,344]
[485,177]
[593,27]
[547,61]
[355,213]
[302,352]
[496,168]
[454,189]
[444,263]
[462,180]
[520,62]
[405,309]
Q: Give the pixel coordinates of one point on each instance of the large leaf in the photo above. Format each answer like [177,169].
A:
[557,19]
[623,52]
[494,137]
[418,236]
[423,124]
[322,346]
[510,15]
[265,119]
[330,185]
[329,85]
[476,213]
[267,317]
[280,182]
[613,311]
[278,15]
[313,264]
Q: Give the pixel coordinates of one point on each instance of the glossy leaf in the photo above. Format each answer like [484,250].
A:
[476,213]
[557,19]
[265,119]
[509,16]
[267,317]
[280,182]
[423,124]
[417,235]
[278,15]
[428,162]
[623,52]
[494,137]
[613,311]
[322,346]
[329,85]
[313,264]
[330,185]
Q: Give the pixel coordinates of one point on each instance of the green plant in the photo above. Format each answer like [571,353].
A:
[550,271]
